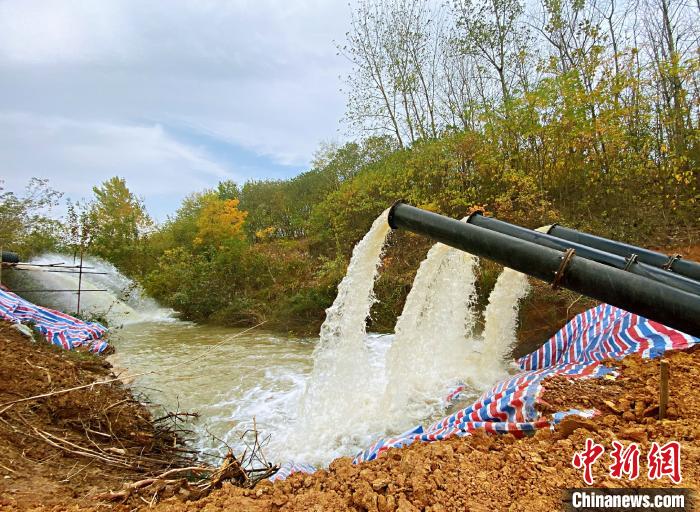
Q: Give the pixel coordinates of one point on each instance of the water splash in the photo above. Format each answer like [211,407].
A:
[364,386]
[361,386]
[501,321]
[434,336]
[340,392]
[123,302]
[501,317]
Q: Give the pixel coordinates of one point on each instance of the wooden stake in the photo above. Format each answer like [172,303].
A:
[663,388]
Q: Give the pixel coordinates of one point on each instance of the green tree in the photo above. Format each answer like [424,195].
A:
[25,222]
[121,224]
[228,189]
[493,33]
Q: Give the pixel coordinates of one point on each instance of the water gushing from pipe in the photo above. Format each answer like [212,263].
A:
[122,302]
[501,322]
[342,386]
[433,336]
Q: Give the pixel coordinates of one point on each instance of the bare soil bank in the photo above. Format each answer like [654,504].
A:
[476,473]
[66,448]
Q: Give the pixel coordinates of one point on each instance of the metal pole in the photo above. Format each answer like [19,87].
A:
[59,290]
[80,276]
[67,271]
[629,264]
[656,301]
[663,388]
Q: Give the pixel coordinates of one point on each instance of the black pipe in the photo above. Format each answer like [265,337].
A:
[584,251]
[665,304]
[9,257]
[675,264]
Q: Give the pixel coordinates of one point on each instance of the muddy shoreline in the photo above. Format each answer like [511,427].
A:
[69,448]
[480,472]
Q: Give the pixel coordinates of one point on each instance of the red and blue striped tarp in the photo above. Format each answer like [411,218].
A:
[289,468]
[603,332]
[59,328]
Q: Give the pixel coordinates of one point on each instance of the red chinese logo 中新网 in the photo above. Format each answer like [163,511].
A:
[662,461]
[625,461]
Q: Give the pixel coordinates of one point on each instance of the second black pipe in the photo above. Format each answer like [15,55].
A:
[584,251]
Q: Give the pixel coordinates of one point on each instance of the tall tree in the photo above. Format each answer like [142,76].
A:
[120,222]
[218,221]
[493,32]
[228,189]
[672,32]
[394,46]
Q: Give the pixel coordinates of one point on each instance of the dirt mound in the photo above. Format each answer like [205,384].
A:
[67,447]
[484,472]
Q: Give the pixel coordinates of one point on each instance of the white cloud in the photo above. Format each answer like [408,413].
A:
[84,154]
[52,32]
[106,75]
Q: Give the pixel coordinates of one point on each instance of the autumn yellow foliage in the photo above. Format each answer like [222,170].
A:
[219,220]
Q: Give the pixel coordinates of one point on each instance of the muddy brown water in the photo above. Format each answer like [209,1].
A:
[228,376]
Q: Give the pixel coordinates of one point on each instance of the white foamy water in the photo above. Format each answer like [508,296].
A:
[501,322]
[317,399]
[501,317]
[122,303]
[434,337]
[336,408]
[365,386]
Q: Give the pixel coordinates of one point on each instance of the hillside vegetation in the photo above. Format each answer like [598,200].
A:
[581,112]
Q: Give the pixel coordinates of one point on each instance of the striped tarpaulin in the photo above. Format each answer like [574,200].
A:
[291,467]
[603,332]
[59,328]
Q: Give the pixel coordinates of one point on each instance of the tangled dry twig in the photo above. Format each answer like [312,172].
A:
[198,481]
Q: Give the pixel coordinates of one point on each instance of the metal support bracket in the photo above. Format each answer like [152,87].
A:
[671,260]
[559,274]
[629,261]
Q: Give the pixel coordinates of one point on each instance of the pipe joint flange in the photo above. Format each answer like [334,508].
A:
[559,274]
[629,261]
[390,216]
[671,260]
[478,211]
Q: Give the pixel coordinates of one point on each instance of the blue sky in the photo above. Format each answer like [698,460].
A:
[173,95]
